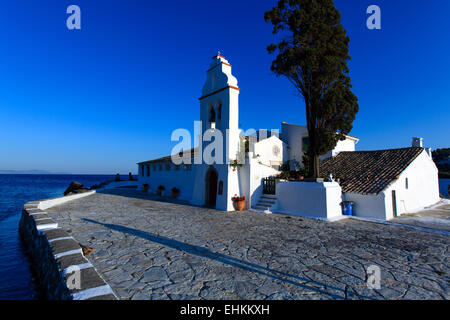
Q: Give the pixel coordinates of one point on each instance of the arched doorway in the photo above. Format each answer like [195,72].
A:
[211,187]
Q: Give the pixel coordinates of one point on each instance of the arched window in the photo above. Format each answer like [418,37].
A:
[212,114]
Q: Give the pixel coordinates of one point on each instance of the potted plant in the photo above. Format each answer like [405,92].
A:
[145,187]
[234,164]
[160,190]
[239,202]
[175,192]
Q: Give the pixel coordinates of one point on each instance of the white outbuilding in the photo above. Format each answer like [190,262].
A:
[384,184]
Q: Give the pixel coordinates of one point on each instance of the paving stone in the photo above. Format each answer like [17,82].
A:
[154,274]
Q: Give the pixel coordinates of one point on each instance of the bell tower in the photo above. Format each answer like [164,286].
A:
[219,104]
[215,181]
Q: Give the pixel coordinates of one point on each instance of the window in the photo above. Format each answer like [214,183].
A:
[160,167]
[142,170]
[305,144]
[167,166]
[212,114]
[219,111]
[406,183]
[177,167]
[220,187]
[154,167]
[148,170]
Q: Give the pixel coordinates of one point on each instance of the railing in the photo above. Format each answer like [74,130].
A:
[269,185]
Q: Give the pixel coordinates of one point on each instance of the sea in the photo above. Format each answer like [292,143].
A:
[16,279]
[443,187]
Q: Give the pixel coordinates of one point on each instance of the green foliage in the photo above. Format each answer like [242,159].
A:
[313,56]
[288,174]
[444,174]
[439,156]
[307,165]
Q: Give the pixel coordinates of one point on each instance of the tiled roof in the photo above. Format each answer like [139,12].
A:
[193,153]
[368,172]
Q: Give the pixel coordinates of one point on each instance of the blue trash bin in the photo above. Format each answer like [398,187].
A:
[347,208]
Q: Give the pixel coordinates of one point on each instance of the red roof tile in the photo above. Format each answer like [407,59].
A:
[368,172]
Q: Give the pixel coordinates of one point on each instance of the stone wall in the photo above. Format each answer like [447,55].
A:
[62,271]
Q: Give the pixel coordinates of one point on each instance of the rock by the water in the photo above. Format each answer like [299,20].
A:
[98,186]
[74,187]
[80,190]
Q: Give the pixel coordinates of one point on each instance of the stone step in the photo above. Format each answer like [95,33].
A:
[268,202]
[269,196]
[265,204]
[261,207]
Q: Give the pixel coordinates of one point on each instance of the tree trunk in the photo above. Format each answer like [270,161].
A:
[316,166]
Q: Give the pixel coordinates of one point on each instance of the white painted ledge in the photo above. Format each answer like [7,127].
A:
[93,292]
[45,204]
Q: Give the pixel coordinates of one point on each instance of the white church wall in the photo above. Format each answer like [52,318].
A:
[181,179]
[230,186]
[198,193]
[270,150]
[310,199]
[244,182]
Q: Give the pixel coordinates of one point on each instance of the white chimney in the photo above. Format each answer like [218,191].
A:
[417,142]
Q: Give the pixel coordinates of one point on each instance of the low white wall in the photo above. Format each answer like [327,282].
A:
[311,199]
[257,172]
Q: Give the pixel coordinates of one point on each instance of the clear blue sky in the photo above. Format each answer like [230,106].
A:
[100,99]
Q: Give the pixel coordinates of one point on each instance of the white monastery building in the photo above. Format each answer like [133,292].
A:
[382,184]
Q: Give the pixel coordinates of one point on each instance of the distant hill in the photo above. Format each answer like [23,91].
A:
[29,172]
[442,159]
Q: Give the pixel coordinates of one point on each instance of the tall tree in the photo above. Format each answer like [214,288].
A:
[313,55]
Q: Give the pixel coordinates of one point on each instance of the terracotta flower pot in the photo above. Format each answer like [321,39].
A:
[239,205]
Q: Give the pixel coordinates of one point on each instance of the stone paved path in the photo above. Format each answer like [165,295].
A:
[159,250]
[437,217]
